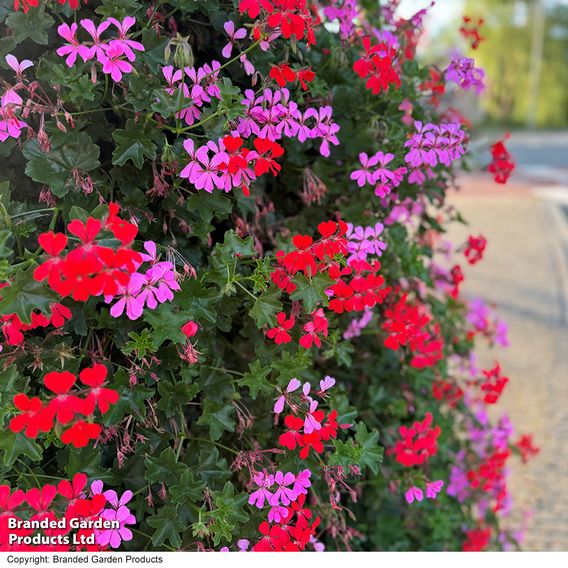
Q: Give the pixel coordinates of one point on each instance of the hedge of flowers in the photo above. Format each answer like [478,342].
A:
[230,318]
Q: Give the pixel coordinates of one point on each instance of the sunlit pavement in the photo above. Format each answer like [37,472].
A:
[525,272]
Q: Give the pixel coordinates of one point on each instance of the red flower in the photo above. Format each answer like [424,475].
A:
[26,4]
[493,385]
[64,406]
[95,377]
[305,76]
[526,446]
[80,433]
[293,437]
[313,329]
[267,151]
[34,418]
[475,248]
[72,489]
[377,66]
[280,332]
[502,165]
[282,74]
[477,540]
[418,443]
[189,329]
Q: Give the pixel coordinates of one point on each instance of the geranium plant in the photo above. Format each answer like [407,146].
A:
[227,316]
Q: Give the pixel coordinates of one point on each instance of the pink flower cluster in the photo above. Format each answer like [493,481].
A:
[433,144]
[346,11]
[11,102]
[375,172]
[117,512]
[480,317]
[116,54]
[155,286]
[288,487]
[200,88]
[273,115]
[356,326]
[464,73]
[364,241]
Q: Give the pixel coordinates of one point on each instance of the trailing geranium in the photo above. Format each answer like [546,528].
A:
[234,346]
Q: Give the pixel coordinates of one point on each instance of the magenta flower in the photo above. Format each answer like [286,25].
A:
[129,300]
[264,481]
[293,385]
[114,537]
[433,488]
[73,48]
[302,482]
[98,47]
[462,72]
[365,176]
[113,65]
[284,494]
[414,493]
[310,423]
[127,44]
[234,35]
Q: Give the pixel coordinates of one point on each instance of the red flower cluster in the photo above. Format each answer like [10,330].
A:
[436,86]
[493,385]
[448,391]
[502,165]
[477,540]
[315,328]
[457,277]
[377,67]
[490,475]
[285,536]
[409,324]
[526,446]
[13,328]
[293,17]
[355,290]
[67,500]
[294,438]
[89,269]
[27,4]
[470,30]
[418,443]
[283,74]
[475,248]
[65,405]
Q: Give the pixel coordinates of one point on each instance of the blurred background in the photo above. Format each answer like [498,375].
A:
[525,268]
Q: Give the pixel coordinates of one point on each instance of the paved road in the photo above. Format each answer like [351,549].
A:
[525,272]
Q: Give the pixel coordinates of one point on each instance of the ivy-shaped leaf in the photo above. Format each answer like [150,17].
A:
[218,417]
[33,25]
[311,291]
[168,526]
[26,294]
[166,324]
[69,152]
[256,381]
[371,452]
[266,307]
[164,468]
[13,445]
[133,143]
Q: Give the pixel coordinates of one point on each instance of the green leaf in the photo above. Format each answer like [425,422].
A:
[168,526]
[166,324]
[311,291]
[371,452]
[164,469]
[33,25]
[256,381]
[133,143]
[189,489]
[227,513]
[26,294]
[13,445]
[218,417]
[71,151]
[266,307]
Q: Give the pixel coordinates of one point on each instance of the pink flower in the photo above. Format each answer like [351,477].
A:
[134,306]
[365,176]
[283,494]
[326,383]
[98,49]
[247,65]
[241,33]
[293,385]
[414,493]
[18,67]
[115,536]
[263,481]
[73,48]
[302,482]
[310,423]
[433,488]
[113,65]
[127,44]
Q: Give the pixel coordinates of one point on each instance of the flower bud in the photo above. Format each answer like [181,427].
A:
[182,52]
